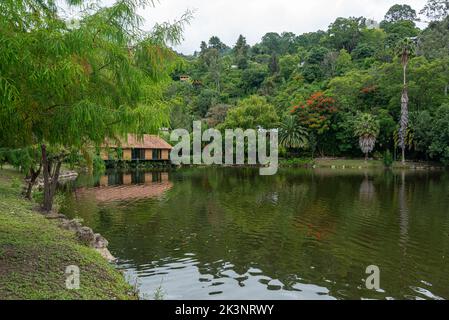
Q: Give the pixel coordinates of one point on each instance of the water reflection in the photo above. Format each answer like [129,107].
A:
[119,186]
[403,211]
[367,189]
[232,234]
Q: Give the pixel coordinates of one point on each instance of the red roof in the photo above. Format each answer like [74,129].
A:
[145,142]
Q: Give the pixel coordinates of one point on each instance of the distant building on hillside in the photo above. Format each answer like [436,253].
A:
[148,148]
[184,77]
[372,24]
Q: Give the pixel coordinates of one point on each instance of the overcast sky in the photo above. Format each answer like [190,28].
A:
[227,19]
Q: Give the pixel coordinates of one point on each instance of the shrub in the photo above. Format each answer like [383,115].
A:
[388,159]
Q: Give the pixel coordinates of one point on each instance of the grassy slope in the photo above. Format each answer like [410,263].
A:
[34,254]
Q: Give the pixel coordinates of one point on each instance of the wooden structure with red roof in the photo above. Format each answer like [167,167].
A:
[139,148]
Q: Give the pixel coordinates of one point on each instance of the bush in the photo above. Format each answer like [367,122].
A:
[297,163]
[388,159]
[98,164]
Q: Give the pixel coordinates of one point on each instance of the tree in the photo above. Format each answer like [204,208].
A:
[212,61]
[241,50]
[203,47]
[400,12]
[215,43]
[345,33]
[288,64]
[405,50]
[366,128]
[271,43]
[439,147]
[436,9]
[397,31]
[291,134]
[252,78]
[313,65]
[205,100]
[216,115]
[316,115]
[251,113]
[288,43]
[433,40]
[273,66]
[69,87]
[343,63]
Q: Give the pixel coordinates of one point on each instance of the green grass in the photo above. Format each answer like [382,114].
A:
[34,254]
[348,163]
[370,164]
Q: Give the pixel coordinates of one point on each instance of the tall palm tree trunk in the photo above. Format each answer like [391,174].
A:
[404,114]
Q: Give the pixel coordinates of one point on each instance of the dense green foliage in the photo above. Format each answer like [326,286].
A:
[66,87]
[325,79]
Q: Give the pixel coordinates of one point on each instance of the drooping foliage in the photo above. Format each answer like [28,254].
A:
[65,85]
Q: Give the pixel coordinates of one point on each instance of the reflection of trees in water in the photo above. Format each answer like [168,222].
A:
[403,212]
[283,225]
[367,191]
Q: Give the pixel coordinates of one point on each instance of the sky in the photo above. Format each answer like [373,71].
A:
[227,19]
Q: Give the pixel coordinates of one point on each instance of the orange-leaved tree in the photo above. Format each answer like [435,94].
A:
[316,116]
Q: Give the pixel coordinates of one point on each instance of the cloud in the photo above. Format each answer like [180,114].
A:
[227,19]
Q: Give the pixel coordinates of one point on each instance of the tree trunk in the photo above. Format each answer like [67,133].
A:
[366,157]
[404,116]
[34,174]
[403,155]
[51,177]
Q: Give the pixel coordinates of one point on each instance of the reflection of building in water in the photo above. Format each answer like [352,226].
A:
[126,186]
[118,179]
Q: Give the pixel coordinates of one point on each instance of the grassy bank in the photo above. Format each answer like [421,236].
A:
[353,163]
[34,254]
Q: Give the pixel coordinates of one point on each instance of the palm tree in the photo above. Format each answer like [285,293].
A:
[291,134]
[367,129]
[406,49]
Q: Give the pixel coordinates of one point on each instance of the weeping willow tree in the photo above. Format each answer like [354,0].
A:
[406,49]
[65,85]
[366,128]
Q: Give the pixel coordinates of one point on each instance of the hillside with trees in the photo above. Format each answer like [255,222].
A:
[323,83]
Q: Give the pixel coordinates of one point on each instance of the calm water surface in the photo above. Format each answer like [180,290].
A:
[302,234]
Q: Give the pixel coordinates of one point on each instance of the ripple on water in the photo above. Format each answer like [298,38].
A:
[222,234]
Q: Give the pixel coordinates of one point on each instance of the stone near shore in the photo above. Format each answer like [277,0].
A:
[87,236]
[100,242]
[71,225]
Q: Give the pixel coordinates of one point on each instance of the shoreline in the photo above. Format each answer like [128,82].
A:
[344,163]
[37,249]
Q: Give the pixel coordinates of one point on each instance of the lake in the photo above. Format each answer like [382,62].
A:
[228,233]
